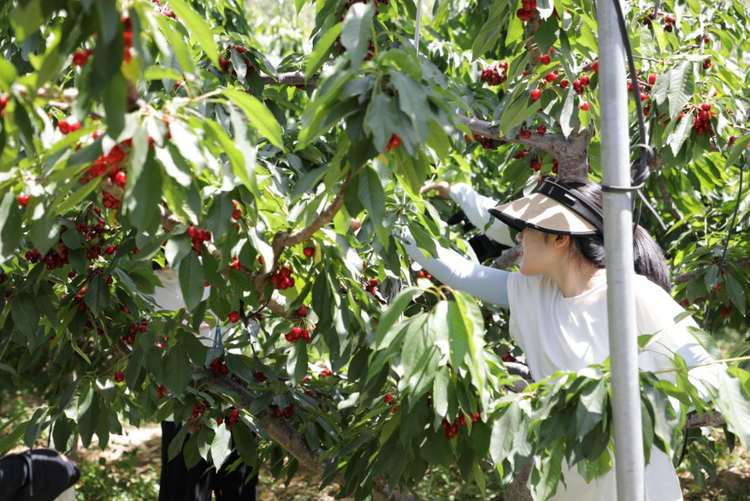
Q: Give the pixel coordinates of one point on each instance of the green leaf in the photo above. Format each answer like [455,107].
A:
[219,216]
[590,410]
[244,442]
[10,226]
[546,473]
[393,313]
[734,405]
[490,32]
[516,113]
[199,29]
[503,432]
[380,117]
[25,313]
[175,446]
[296,364]
[220,446]
[440,389]
[97,294]
[177,374]
[419,359]
[115,101]
[681,88]
[738,149]
[322,48]
[45,232]
[568,115]
[412,100]
[260,116]
[109,19]
[356,31]
[242,166]
[371,195]
[680,133]
[661,86]
[466,328]
[144,187]
[736,292]
[191,280]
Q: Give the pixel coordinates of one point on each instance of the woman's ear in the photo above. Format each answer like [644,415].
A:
[562,241]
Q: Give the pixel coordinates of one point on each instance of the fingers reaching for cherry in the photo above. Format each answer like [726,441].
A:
[442,189]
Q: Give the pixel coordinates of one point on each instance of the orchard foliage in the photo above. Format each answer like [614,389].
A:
[275,166]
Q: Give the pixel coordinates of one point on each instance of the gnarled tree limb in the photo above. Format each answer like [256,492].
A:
[692,275]
[295,443]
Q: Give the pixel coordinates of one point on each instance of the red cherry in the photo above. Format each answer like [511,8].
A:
[544,59]
[23,199]
[309,251]
[541,129]
[523,15]
[585,80]
[564,84]
[234,317]
[551,76]
[120,179]
[119,377]
[536,94]
[302,311]
[177,85]
[236,214]
[706,106]
[652,79]
[585,106]
[64,126]
[80,57]
[595,66]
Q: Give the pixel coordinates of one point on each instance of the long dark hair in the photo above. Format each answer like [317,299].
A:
[648,256]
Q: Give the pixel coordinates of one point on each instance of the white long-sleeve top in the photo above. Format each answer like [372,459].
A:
[559,333]
[476,207]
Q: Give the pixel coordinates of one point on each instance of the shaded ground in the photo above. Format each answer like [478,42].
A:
[139,451]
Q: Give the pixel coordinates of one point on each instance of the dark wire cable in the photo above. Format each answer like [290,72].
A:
[732,227]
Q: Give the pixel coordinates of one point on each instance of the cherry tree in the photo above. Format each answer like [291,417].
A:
[277,167]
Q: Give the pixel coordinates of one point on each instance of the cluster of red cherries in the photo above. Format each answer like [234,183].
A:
[288,411]
[218,367]
[198,237]
[141,327]
[298,333]
[486,142]
[80,57]
[495,74]
[451,429]
[232,417]
[528,8]
[283,279]
[702,119]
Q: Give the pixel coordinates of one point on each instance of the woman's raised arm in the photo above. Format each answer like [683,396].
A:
[485,283]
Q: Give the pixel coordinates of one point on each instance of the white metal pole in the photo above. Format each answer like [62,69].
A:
[618,243]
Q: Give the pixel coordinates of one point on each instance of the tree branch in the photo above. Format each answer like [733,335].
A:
[692,275]
[281,432]
[532,26]
[290,78]
[667,197]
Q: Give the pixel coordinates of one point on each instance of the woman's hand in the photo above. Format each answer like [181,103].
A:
[443,189]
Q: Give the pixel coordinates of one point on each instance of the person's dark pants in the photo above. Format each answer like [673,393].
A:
[36,475]
[178,483]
